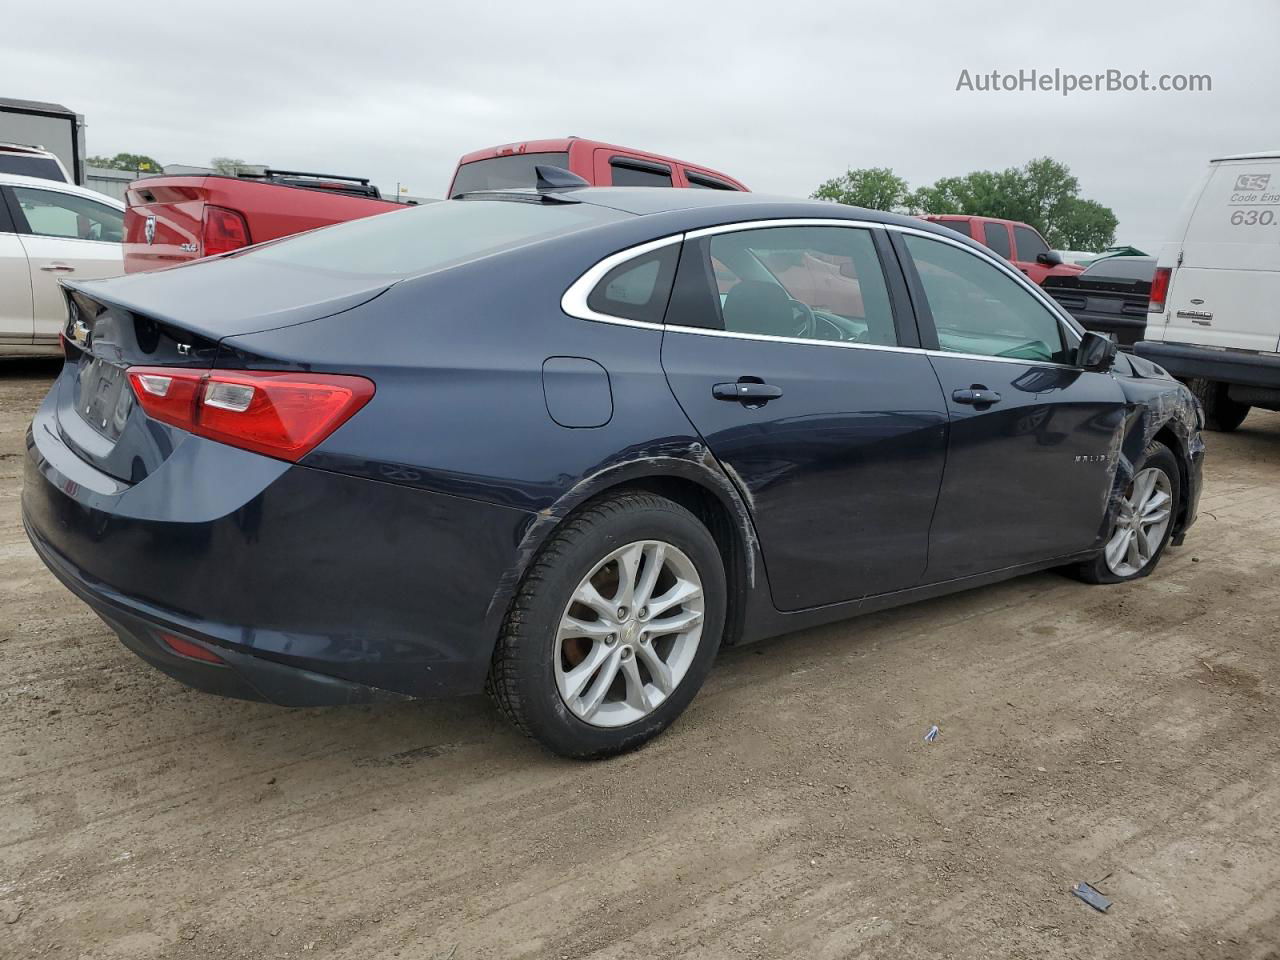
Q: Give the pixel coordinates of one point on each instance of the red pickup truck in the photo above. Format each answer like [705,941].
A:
[173,219]
[1020,243]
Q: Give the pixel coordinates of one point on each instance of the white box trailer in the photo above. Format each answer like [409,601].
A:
[50,126]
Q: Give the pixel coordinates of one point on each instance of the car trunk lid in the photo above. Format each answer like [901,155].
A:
[167,320]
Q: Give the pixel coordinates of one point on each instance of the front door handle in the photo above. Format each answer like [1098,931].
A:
[976,396]
[58,268]
[750,393]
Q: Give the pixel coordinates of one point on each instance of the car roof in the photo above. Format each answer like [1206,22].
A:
[643,201]
[561,145]
[13,180]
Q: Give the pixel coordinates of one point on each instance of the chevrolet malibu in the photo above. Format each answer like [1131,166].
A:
[563,443]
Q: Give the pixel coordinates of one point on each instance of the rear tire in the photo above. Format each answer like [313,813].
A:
[583,664]
[1221,413]
[1143,523]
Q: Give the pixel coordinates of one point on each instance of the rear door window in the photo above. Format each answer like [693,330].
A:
[813,283]
[513,172]
[996,236]
[702,181]
[636,173]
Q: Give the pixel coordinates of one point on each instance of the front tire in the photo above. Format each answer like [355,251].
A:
[1221,413]
[1143,523]
[613,629]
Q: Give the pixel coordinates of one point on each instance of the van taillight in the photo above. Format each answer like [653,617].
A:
[222,230]
[1159,289]
[282,415]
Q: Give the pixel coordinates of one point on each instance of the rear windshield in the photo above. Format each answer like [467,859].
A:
[503,173]
[419,240]
[1122,268]
[24,165]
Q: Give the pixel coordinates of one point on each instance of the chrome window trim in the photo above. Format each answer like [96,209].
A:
[770,338]
[574,300]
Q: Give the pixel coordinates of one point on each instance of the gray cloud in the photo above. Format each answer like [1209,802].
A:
[781,95]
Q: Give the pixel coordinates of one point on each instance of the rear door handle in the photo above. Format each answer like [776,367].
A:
[976,396]
[58,268]
[747,392]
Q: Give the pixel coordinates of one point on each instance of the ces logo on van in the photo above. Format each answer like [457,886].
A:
[1253,181]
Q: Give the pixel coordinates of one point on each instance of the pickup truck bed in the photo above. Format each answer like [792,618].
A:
[174,219]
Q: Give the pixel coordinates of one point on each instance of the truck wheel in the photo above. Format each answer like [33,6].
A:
[1221,413]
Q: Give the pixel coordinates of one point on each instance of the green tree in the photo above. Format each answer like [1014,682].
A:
[126,161]
[1084,225]
[1042,192]
[228,166]
[876,188]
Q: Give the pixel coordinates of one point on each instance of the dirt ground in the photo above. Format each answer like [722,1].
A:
[1122,735]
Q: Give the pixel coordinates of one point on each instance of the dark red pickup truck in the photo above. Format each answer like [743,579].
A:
[173,219]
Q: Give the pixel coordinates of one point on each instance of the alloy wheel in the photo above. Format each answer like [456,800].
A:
[629,633]
[1141,523]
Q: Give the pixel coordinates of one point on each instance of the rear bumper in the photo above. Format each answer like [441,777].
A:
[314,586]
[1187,361]
[240,675]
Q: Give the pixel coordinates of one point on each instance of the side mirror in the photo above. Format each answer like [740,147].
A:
[1051,258]
[1097,353]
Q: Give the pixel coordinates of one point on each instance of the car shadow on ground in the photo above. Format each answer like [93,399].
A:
[405,735]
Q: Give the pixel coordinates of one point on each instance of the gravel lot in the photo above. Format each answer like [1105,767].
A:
[1124,735]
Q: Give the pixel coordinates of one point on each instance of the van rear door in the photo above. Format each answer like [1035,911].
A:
[1225,291]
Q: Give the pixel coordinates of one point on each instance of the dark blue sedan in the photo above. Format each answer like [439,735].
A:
[564,443]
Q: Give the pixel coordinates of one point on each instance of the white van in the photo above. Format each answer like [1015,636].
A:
[1214,317]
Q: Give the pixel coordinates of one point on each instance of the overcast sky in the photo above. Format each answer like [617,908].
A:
[779,94]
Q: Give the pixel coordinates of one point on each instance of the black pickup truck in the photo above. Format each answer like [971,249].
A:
[1109,297]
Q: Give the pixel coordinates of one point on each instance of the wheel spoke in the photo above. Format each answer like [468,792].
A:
[1142,486]
[594,629]
[628,568]
[1117,547]
[656,666]
[589,596]
[682,591]
[652,567]
[1151,519]
[676,623]
[1133,556]
[592,699]
[636,696]
[576,679]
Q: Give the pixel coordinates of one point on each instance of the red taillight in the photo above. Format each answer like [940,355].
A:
[1159,289]
[189,649]
[282,415]
[222,230]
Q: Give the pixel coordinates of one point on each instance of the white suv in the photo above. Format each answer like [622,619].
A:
[50,230]
[1213,319]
